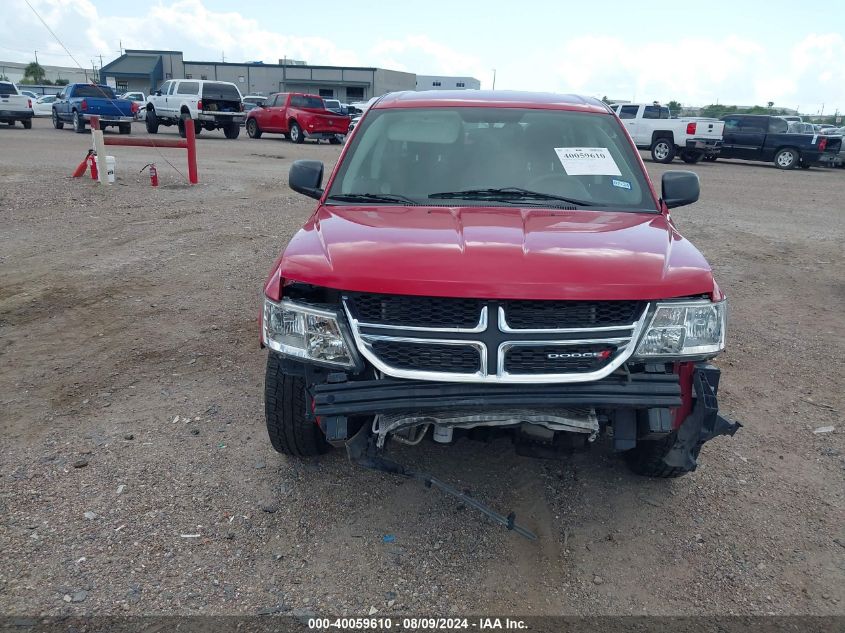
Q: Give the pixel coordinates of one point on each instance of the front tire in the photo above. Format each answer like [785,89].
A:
[57,122]
[786,159]
[663,150]
[252,129]
[151,121]
[27,124]
[647,458]
[285,402]
[296,135]
[78,123]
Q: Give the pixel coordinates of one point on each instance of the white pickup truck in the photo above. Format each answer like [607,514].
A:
[14,106]
[210,105]
[651,127]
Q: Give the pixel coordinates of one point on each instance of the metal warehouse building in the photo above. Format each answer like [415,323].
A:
[145,70]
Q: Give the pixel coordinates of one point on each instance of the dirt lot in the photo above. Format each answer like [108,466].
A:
[136,475]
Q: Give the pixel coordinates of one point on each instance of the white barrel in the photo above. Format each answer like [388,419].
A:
[110,163]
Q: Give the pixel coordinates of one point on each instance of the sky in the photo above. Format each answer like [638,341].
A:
[740,52]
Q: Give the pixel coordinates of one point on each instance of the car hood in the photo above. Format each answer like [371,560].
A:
[497,253]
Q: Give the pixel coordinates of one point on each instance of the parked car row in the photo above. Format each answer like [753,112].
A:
[788,142]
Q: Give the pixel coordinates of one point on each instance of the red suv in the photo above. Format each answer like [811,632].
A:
[493,262]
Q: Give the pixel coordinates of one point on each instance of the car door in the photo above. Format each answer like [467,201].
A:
[60,104]
[277,113]
[159,99]
[628,115]
[750,137]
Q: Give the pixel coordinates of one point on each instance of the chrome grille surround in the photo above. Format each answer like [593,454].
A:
[496,338]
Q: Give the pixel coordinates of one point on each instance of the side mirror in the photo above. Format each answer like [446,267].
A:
[680,188]
[305,177]
[157,93]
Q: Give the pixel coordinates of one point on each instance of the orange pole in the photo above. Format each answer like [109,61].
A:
[191,138]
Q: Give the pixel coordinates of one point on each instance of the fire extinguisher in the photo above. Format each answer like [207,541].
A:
[153,174]
[92,165]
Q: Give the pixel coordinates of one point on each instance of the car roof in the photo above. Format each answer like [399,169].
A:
[491,98]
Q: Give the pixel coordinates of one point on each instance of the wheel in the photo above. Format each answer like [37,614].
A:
[691,157]
[296,135]
[284,411]
[786,159]
[10,123]
[102,128]
[334,140]
[803,164]
[711,158]
[57,122]
[197,128]
[181,125]
[125,128]
[78,123]
[252,129]
[647,458]
[663,150]
[27,124]
[151,122]
[232,130]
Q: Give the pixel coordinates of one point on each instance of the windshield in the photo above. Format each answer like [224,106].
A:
[87,90]
[492,157]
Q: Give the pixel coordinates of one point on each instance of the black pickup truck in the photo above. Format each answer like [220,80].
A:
[765,138]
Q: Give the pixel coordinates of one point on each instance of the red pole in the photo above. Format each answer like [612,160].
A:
[145,142]
[191,137]
[95,121]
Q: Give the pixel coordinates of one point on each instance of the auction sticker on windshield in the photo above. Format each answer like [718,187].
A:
[587,161]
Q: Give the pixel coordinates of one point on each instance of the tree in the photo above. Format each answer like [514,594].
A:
[62,82]
[3,78]
[674,106]
[605,99]
[35,72]
[770,104]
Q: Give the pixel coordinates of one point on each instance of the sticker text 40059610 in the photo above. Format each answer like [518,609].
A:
[587,161]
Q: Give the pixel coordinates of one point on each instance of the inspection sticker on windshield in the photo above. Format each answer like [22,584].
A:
[622,184]
[587,161]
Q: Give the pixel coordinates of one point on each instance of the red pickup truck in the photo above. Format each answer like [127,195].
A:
[297,116]
[482,263]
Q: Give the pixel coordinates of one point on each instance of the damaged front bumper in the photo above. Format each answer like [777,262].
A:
[703,424]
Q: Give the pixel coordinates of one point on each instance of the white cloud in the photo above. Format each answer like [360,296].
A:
[693,70]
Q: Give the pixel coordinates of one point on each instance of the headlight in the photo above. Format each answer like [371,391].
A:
[685,328]
[305,332]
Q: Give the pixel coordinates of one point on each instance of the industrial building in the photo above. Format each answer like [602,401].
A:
[145,70]
[443,82]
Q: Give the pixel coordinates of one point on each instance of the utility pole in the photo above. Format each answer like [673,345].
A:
[494,79]
[223,56]
[36,57]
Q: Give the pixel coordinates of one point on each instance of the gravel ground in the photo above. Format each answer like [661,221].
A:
[136,476]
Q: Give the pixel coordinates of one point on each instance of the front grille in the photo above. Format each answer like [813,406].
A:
[408,311]
[529,359]
[530,315]
[488,340]
[462,359]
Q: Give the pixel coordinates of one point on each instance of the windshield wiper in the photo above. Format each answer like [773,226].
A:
[372,197]
[506,194]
